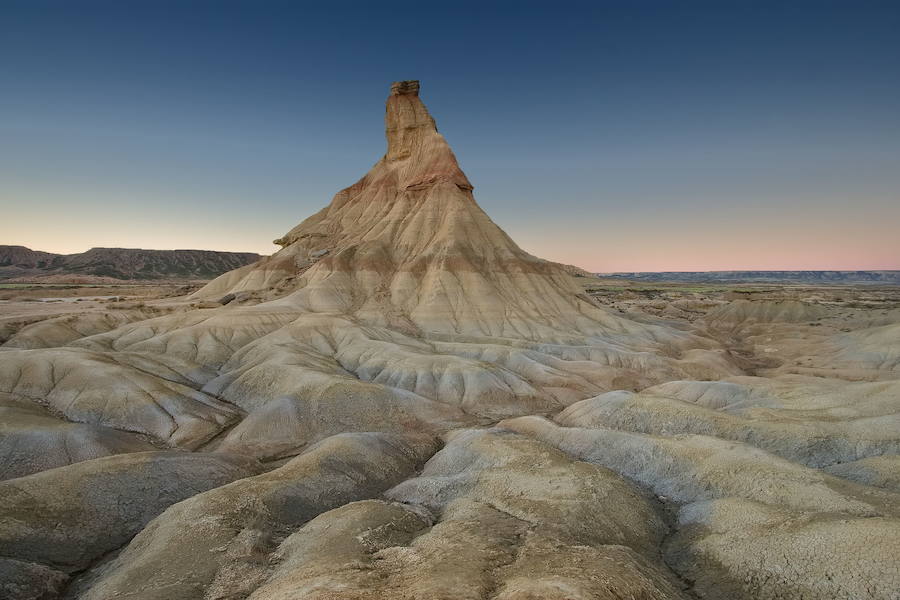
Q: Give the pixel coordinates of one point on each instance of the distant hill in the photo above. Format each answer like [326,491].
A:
[21,263]
[826,277]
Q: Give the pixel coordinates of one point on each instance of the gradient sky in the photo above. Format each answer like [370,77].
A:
[619,136]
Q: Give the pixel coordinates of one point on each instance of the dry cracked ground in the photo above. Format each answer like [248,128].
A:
[401,403]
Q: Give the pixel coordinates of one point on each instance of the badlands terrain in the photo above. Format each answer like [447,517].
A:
[402,403]
[19,264]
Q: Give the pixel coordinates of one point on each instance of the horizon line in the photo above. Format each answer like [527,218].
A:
[595,272]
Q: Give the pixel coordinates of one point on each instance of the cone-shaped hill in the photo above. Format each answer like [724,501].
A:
[408,247]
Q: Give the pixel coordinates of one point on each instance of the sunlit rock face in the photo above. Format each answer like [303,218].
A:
[407,247]
[402,403]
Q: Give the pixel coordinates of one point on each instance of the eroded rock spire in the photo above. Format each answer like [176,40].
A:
[414,141]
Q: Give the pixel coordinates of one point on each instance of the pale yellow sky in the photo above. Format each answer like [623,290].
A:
[629,245]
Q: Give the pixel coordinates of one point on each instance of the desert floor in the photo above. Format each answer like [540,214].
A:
[780,481]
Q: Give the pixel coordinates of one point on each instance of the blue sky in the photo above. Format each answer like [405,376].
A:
[614,135]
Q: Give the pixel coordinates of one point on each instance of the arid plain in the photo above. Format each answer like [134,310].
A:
[401,403]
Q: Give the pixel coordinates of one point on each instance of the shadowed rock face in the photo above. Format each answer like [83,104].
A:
[65,519]
[32,439]
[402,403]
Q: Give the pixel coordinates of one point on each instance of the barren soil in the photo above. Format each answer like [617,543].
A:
[402,403]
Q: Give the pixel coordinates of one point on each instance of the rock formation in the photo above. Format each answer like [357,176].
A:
[402,403]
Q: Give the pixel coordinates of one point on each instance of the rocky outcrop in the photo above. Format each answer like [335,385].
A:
[409,248]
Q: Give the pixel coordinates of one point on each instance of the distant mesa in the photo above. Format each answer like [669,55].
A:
[105,265]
